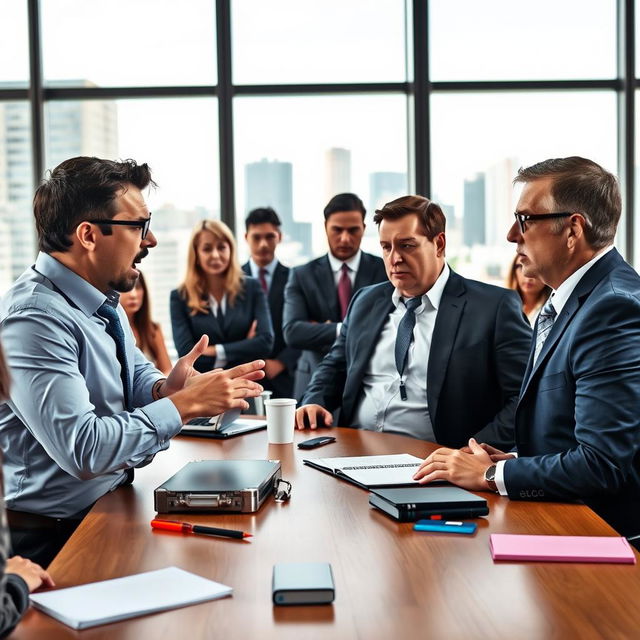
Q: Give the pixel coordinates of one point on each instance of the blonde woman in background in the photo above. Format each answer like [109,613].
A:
[148,334]
[532,291]
[216,299]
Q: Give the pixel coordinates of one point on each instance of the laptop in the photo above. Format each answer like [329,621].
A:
[226,425]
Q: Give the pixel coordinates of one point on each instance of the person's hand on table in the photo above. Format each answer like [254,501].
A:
[312,416]
[495,454]
[33,574]
[456,466]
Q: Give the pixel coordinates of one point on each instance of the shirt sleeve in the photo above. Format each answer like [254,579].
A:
[56,400]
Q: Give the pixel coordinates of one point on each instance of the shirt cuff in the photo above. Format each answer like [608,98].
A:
[221,356]
[165,418]
[338,327]
[499,479]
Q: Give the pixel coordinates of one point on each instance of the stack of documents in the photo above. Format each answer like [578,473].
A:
[111,600]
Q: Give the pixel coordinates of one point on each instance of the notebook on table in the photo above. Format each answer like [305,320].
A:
[98,603]
[561,548]
[226,425]
[371,471]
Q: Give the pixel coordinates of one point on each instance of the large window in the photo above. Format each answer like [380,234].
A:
[244,103]
[294,154]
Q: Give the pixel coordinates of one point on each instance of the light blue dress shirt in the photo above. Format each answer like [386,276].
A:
[65,434]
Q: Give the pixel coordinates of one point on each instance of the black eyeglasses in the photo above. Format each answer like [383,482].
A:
[523,218]
[141,224]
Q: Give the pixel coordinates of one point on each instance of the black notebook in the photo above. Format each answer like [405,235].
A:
[413,503]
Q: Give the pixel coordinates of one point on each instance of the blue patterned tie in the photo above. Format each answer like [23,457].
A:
[404,338]
[114,328]
[545,321]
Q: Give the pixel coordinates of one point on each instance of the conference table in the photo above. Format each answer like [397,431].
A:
[390,581]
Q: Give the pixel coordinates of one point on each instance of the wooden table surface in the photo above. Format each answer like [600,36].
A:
[391,582]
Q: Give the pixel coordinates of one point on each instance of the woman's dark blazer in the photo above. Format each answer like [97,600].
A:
[250,305]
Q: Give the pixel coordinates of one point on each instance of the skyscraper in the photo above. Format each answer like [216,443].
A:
[385,186]
[72,128]
[337,172]
[268,183]
[474,210]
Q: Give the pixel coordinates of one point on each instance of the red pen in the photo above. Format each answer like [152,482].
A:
[185,527]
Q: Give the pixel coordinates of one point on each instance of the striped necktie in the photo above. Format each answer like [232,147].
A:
[545,321]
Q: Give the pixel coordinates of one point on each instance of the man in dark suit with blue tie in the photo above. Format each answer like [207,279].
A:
[318,293]
[578,418]
[263,236]
[428,353]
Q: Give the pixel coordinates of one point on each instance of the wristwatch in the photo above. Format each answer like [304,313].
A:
[490,478]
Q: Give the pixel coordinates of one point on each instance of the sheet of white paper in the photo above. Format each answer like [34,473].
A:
[374,471]
[111,600]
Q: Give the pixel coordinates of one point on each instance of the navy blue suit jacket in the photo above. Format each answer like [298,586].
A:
[311,310]
[578,418]
[282,385]
[250,305]
[477,359]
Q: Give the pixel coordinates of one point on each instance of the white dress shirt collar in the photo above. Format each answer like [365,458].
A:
[353,263]
[434,295]
[560,296]
[255,269]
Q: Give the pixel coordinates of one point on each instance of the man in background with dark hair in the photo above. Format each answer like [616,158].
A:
[263,236]
[318,293]
[577,420]
[428,354]
[86,406]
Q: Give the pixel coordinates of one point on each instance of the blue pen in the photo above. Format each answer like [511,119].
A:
[449,526]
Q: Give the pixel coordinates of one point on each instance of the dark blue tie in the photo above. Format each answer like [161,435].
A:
[114,328]
[404,338]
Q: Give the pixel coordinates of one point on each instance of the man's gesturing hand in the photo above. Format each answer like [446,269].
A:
[217,391]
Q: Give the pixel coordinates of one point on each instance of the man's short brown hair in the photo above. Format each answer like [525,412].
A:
[430,214]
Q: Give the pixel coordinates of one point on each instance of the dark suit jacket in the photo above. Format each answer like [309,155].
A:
[282,385]
[578,418]
[311,310]
[250,305]
[477,358]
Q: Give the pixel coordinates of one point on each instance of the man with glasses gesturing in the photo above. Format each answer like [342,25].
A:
[577,421]
[86,406]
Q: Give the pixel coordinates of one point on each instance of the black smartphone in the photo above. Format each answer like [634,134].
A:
[315,442]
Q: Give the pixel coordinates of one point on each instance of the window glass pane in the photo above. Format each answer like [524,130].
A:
[14,44]
[123,43]
[287,41]
[17,239]
[507,40]
[285,162]
[480,141]
[178,138]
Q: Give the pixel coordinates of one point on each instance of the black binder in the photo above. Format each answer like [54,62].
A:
[414,503]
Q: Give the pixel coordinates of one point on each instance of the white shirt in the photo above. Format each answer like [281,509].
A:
[268,276]
[336,266]
[558,300]
[381,407]
[221,356]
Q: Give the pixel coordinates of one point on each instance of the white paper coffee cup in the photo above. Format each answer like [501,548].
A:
[281,420]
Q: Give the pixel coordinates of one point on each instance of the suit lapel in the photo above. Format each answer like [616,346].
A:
[369,336]
[582,291]
[448,318]
[327,286]
[362,275]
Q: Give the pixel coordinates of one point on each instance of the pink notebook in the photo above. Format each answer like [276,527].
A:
[505,546]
